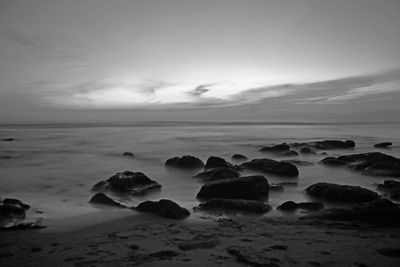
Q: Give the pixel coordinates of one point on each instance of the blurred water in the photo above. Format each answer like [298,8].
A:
[53,166]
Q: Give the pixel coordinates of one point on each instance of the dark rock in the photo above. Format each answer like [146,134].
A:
[341,193]
[334,144]
[290,153]
[271,166]
[395,197]
[185,162]
[249,256]
[298,162]
[15,202]
[164,208]
[8,139]
[390,186]
[390,252]
[235,204]
[135,183]
[292,206]
[382,212]
[307,151]
[12,215]
[239,157]
[276,188]
[276,148]
[217,162]
[250,187]
[332,161]
[128,154]
[217,174]
[383,145]
[101,198]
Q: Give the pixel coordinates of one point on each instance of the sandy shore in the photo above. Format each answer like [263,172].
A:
[147,240]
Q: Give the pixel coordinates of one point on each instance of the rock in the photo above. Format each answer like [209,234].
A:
[8,139]
[276,148]
[276,188]
[334,144]
[307,151]
[271,166]
[239,157]
[382,212]
[101,198]
[217,174]
[395,196]
[290,153]
[164,208]
[390,186]
[135,183]
[292,206]
[235,205]
[13,216]
[383,145]
[128,154]
[249,256]
[390,252]
[185,162]
[298,162]
[372,163]
[250,187]
[341,193]
[217,162]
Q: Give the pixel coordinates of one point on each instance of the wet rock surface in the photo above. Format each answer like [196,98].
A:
[271,166]
[164,208]
[103,199]
[239,157]
[217,174]
[217,162]
[292,206]
[185,162]
[13,215]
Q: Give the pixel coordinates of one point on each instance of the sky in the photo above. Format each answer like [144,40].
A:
[283,60]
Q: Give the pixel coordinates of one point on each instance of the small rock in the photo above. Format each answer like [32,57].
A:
[164,208]
[292,206]
[383,145]
[128,154]
[185,162]
[239,157]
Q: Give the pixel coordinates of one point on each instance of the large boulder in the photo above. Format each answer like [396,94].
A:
[380,212]
[341,193]
[223,204]
[383,145]
[217,162]
[292,206]
[185,162]
[13,215]
[135,183]
[103,199]
[271,166]
[163,208]
[217,174]
[250,187]
[372,163]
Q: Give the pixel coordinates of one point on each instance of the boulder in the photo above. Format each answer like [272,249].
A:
[239,157]
[290,153]
[185,162]
[135,183]
[217,174]
[13,216]
[163,208]
[217,162]
[341,193]
[334,144]
[292,206]
[103,199]
[250,187]
[383,145]
[332,161]
[253,206]
[307,151]
[128,154]
[271,166]
[276,148]
[382,212]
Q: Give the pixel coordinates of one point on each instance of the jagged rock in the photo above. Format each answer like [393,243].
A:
[292,206]
[382,212]
[101,198]
[235,204]
[185,162]
[163,208]
[136,183]
[341,193]
[271,166]
[383,145]
[250,187]
[217,174]
[239,157]
[217,162]
[128,154]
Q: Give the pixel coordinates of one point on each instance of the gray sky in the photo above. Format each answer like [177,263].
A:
[199,60]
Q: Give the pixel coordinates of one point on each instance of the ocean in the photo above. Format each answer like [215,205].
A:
[54,166]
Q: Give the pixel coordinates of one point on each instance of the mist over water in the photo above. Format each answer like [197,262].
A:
[54,166]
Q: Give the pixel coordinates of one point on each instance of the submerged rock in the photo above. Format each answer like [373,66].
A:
[382,212]
[235,205]
[271,166]
[292,206]
[128,154]
[185,162]
[217,162]
[276,148]
[217,174]
[103,199]
[8,139]
[136,183]
[239,157]
[383,145]
[372,163]
[250,187]
[163,208]
[341,193]
[307,151]
[324,145]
